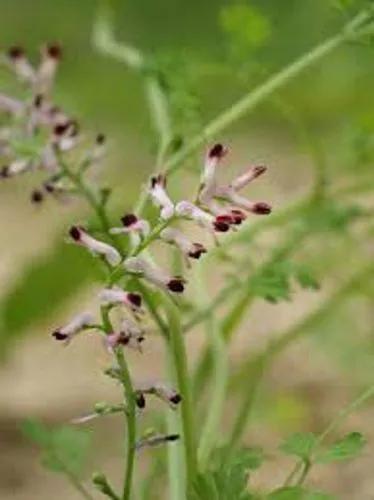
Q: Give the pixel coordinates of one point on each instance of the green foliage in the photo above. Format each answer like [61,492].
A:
[229,477]
[331,215]
[274,282]
[349,447]
[64,449]
[297,493]
[44,285]
[245,25]
[299,444]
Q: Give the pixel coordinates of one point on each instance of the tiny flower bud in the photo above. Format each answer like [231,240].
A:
[76,325]
[111,255]
[36,196]
[160,197]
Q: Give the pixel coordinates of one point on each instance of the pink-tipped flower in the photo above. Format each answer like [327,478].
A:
[51,55]
[21,65]
[161,391]
[17,167]
[130,335]
[117,296]
[255,207]
[187,209]
[76,325]
[188,248]
[80,236]
[133,225]
[248,176]
[208,178]
[160,197]
[154,274]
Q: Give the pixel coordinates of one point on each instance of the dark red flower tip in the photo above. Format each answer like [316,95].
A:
[38,100]
[172,437]
[226,218]
[37,196]
[135,299]
[140,339]
[129,219]
[49,187]
[59,335]
[158,179]
[238,216]
[16,52]
[54,50]
[61,128]
[261,208]
[221,226]
[198,251]
[259,170]
[4,172]
[140,400]
[217,151]
[76,233]
[176,285]
[124,338]
[100,139]
[176,399]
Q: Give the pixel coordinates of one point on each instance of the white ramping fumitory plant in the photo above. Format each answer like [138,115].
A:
[140,295]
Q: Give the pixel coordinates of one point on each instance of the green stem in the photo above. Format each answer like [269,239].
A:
[131,423]
[217,394]
[179,356]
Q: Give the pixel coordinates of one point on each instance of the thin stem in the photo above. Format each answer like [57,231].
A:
[251,100]
[74,480]
[131,423]
[179,356]
[217,395]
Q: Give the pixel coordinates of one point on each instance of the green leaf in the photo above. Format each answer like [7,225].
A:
[45,285]
[299,444]
[305,277]
[297,493]
[273,283]
[64,448]
[345,449]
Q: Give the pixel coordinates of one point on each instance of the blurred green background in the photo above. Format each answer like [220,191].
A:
[209,64]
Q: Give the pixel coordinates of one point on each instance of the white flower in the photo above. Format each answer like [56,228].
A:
[10,105]
[21,65]
[208,178]
[154,274]
[160,197]
[247,176]
[180,240]
[17,167]
[80,236]
[256,207]
[76,325]
[115,295]
[51,55]
[162,391]
[203,218]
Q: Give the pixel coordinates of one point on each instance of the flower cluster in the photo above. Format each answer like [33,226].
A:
[217,209]
[36,134]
